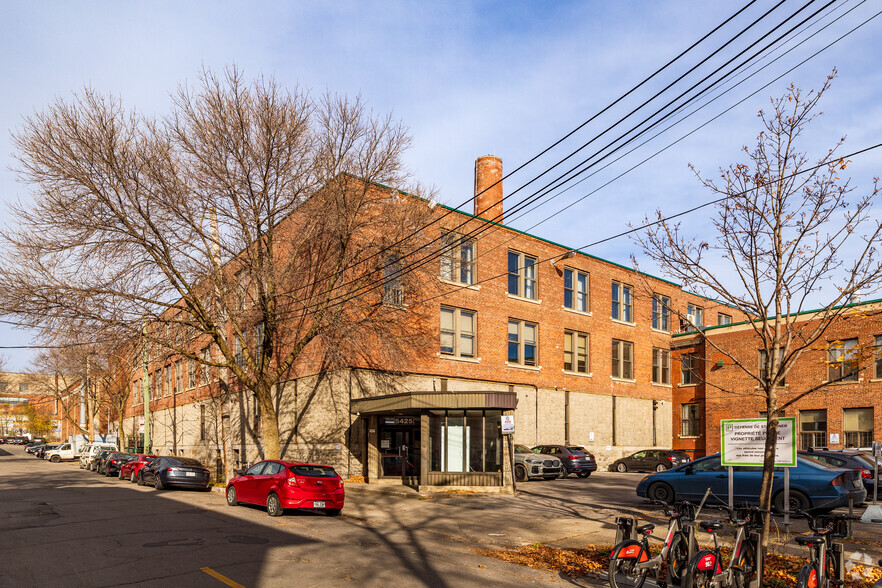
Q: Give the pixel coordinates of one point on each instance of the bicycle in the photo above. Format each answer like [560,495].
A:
[705,568]
[631,559]
[825,566]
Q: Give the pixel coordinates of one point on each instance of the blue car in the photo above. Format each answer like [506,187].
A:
[813,485]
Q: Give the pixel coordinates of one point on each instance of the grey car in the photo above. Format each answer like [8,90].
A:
[529,465]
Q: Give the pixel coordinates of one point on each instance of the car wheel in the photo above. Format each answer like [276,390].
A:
[231,496]
[332,512]
[621,467]
[54,459]
[157,483]
[119,474]
[563,474]
[584,474]
[107,473]
[141,479]
[520,473]
[132,478]
[662,492]
[273,506]
[798,501]
[81,465]
[661,468]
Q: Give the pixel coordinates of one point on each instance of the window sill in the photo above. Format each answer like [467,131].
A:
[844,382]
[663,331]
[624,380]
[687,385]
[660,385]
[578,374]
[457,358]
[621,322]
[524,367]
[876,380]
[574,311]
[530,300]
[459,284]
[688,436]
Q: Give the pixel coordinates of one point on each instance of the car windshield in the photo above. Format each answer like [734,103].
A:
[313,471]
[522,449]
[577,451]
[186,462]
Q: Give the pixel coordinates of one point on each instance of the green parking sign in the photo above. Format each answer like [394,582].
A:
[744,442]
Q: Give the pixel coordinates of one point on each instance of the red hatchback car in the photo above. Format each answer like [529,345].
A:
[129,470]
[285,484]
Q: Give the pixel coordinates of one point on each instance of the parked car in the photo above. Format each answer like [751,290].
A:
[88,457]
[63,452]
[529,465]
[165,472]
[97,464]
[282,484]
[858,461]
[649,460]
[574,459]
[103,458]
[813,485]
[40,453]
[129,470]
[112,462]
[33,446]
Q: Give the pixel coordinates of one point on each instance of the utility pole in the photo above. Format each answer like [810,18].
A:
[145,388]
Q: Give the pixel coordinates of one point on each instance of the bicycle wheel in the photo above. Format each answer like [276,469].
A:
[701,570]
[745,564]
[678,559]
[832,565]
[808,576]
[623,572]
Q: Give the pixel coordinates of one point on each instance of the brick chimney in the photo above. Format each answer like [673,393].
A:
[488,200]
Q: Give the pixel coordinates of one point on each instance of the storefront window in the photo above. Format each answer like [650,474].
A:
[465,441]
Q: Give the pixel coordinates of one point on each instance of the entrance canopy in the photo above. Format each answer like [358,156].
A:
[418,401]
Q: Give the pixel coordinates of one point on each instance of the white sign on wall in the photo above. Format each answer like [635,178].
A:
[744,441]
[507,424]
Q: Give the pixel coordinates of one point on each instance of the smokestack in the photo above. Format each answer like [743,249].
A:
[488,200]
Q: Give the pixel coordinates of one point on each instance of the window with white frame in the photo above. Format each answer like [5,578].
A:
[878,362]
[522,337]
[522,275]
[622,359]
[205,370]
[842,361]
[576,352]
[857,426]
[179,376]
[661,312]
[393,285]
[136,392]
[622,304]
[689,369]
[690,420]
[169,380]
[458,332]
[723,319]
[694,317]
[661,365]
[576,290]
[191,373]
[763,367]
[457,258]
[812,429]
[238,354]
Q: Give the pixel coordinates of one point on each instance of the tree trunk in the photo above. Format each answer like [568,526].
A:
[269,420]
[765,498]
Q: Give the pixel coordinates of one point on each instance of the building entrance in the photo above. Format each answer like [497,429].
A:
[400,445]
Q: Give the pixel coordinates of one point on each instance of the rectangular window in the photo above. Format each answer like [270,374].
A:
[857,425]
[238,355]
[179,376]
[241,286]
[661,365]
[661,312]
[522,342]
[191,373]
[393,285]
[690,421]
[152,385]
[878,368]
[724,319]
[521,275]
[205,370]
[169,378]
[458,332]
[622,359]
[694,317]
[762,365]
[689,368]
[621,302]
[457,258]
[23,387]
[465,441]
[576,352]
[812,429]
[576,290]
[136,392]
[842,361]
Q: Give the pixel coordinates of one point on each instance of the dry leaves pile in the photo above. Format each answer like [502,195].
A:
[354,480]
[781,571]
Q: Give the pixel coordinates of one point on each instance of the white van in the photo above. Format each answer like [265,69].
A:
[84,454]
[88,457]
[62,452]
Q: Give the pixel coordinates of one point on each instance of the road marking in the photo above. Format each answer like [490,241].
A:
[222,578]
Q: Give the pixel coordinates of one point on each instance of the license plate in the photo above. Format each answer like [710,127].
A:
[318,504]
[193,474]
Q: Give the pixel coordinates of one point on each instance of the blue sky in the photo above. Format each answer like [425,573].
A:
[468,79]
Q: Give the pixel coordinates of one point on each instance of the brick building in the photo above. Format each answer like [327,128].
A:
[845,366]
[576,347]
[21,389]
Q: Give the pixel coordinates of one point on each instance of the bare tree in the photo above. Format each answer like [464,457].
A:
[788,231]
[251,221]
